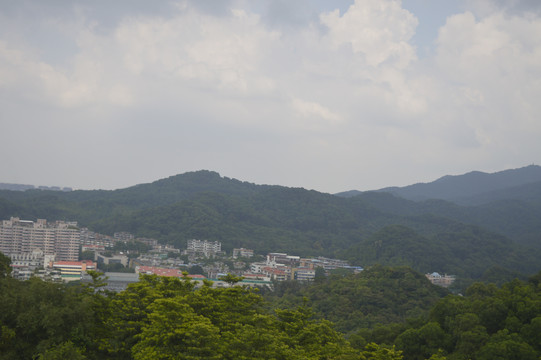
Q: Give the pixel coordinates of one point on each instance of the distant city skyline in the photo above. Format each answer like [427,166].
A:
[330,96]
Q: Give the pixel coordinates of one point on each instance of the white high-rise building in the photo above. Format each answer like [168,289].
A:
[204,247]
[60,238]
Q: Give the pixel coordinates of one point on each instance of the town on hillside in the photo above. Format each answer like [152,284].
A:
[61,251]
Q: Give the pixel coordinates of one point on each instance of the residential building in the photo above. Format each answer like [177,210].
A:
[61,238]
[276,273]
[281,258]
[441,280]
[304,274]
[93,238]
[123,236]
[149,242]
[242,252]
[204,248]
[325,263]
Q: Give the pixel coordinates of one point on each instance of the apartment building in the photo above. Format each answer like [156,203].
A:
[61,238]
[203,247]
[242,252]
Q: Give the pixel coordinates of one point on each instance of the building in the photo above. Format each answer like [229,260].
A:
[304,274]
[203,248]
[281,258]
[441,280]
[277,274]
[116,281]
[93,248]
[72,270]
[152,270]
[92,238]
[325,263]
[60,238]
[123,236]
[113,259]
[33,260]
[242,252]
[150,242]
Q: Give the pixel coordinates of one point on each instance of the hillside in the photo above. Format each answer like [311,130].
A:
[376,296]
[468,185]
[513,212]
[473,188]
[434,235]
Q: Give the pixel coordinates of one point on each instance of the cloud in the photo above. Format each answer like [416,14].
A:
[379,31]
[188,86]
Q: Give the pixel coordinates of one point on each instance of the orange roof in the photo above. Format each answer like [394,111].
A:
[74,263]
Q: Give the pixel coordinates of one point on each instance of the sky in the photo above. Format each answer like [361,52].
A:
[325,95]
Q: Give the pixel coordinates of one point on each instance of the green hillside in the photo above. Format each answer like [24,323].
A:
[376,296]
[433,235]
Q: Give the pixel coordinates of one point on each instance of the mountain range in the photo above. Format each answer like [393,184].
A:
[473,225]
[473,188]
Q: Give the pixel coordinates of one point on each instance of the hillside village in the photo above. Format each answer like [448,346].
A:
[61,251]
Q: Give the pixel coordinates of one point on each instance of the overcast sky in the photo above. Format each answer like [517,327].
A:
[325,95]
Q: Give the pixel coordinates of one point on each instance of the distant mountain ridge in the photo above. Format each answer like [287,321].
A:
[376,227]
[24,187]
[461,188]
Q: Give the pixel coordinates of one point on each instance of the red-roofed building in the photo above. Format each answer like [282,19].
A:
[275,274]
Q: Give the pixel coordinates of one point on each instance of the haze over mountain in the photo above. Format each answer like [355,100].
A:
[471,188]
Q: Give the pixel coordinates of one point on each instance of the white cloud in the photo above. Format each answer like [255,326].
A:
[207,88]
[493,64]
[378,30]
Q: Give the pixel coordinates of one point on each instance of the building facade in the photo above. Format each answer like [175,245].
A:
[203,247]
[72,270]
[60,238]
[242,252]
[441,280]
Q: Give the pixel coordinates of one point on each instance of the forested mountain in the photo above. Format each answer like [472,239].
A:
[374,227]
[514,213]
[472,184]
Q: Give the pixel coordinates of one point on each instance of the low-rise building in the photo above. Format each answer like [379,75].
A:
[242,252]
[304,274]
[72,270]
[123,236]
[276,273]
[441,280]
[101,258]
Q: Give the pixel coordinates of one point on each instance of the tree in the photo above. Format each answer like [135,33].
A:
[5,268]
[196,270]
[175,331]
[231,279]
[64,351]
[320,275]
[373,351]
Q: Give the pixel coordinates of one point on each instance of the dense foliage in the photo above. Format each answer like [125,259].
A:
[487,323]
[376,296]
[168,318]
[161,318]
[467,251]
